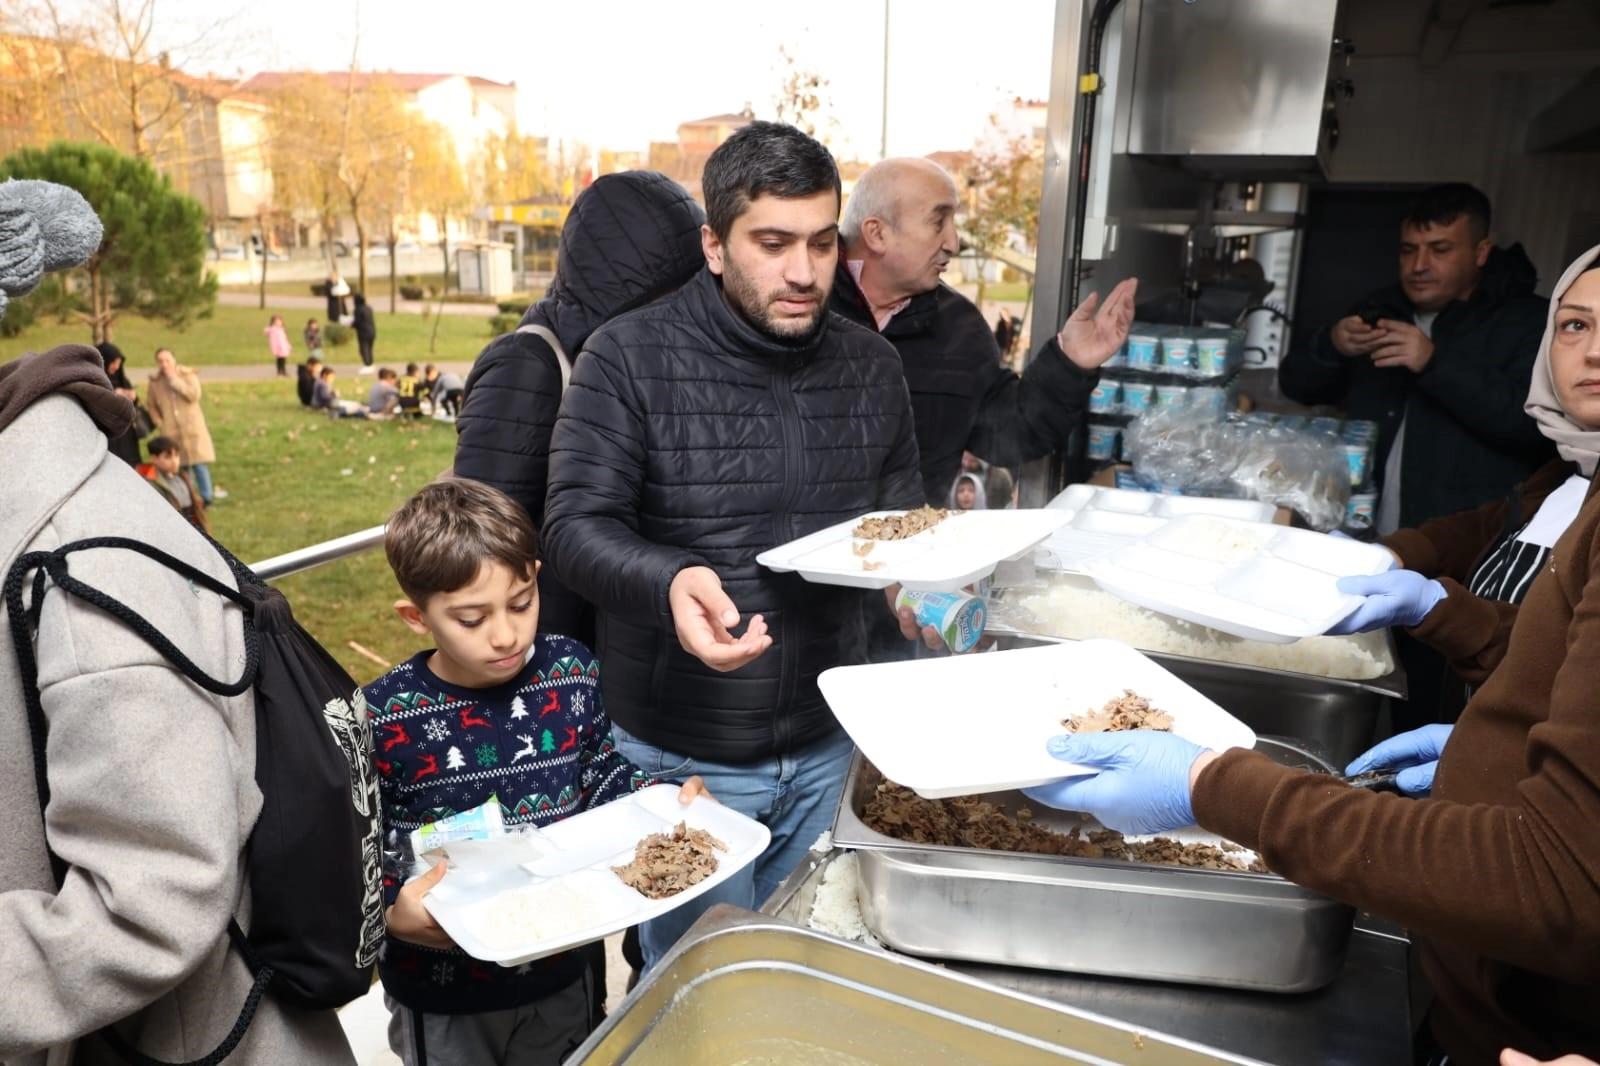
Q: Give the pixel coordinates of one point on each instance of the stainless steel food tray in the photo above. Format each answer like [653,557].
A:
[743,988]
[1121,919]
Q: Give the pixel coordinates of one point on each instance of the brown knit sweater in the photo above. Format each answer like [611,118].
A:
[1498,874]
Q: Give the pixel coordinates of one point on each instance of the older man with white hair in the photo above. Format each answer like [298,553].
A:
[899,232]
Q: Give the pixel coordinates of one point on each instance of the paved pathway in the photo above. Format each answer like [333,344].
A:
[346,369]
[235,298]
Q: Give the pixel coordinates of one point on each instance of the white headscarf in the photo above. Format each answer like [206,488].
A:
[1576,443]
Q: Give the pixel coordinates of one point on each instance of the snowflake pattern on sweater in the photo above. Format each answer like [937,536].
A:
[541,742]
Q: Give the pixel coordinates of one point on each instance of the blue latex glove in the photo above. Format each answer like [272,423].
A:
[1416,754]
[1393,598]
[1142,786]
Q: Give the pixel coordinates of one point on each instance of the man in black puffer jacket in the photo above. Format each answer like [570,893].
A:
[727,419]
[899,232]
[631,237]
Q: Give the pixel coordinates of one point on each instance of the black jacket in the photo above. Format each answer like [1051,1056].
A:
[963,398]
[362,322]
[630,238]
[1468,439]
[688,439]
[305,384]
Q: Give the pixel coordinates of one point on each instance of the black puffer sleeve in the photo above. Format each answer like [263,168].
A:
[598,457]
[503,431]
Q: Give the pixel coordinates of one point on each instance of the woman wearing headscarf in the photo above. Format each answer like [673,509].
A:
[125,445]
[1497,873]
[1465,574]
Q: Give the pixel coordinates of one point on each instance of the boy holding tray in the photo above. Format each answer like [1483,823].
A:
[493,710]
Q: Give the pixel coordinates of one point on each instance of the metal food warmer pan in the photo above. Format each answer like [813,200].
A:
[741,988]
[1094,916]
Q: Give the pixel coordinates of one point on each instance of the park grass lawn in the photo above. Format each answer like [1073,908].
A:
[294,479]
[232,336]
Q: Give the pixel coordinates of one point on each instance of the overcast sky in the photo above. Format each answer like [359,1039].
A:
[620,73]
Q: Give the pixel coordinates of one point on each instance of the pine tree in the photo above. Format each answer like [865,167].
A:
[152,260]
[518,708]
[547,743]
[453,759]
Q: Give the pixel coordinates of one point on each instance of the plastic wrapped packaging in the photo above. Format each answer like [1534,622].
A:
[1185,448]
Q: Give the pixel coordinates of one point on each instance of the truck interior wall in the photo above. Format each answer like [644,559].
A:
[1410,127]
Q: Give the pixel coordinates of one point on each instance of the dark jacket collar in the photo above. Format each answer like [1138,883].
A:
[731,334]
[919,315]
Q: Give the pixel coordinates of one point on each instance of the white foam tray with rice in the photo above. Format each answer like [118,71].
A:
[963,548]
[539,894]
[965,724]
[1261,582]
[1104,518]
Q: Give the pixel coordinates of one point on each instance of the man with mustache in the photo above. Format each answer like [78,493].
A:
[723,420]
[1441,360]
[899,232]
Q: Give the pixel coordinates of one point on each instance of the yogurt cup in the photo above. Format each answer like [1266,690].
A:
[1137,397]
[1178,354]
[1170,395]
[958,617]
[1361,511]
[1359,456]
[1103,442]
[1106,397]
[1142,351]
[1211,356]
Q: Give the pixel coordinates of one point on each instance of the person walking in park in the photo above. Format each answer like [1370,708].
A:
[174,400]
[366,332]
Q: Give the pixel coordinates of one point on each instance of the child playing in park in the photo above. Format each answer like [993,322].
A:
[165,472]
[495,710]
[278,344]
[313,335]
[324,397]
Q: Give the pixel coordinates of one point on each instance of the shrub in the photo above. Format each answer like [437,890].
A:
[411,292]
[335,335]
[517,305]
[319,288]
[503,324]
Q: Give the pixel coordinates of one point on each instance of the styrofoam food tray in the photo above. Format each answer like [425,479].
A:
[978,723]
[963,548]
[1106,518]
[1261,582]
[480,908]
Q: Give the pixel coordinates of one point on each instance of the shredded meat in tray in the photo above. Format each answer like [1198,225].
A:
[1127,711]
[665,864]
[900,526]
[973,822]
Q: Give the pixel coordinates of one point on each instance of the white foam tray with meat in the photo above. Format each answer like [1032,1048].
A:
[557,889]
[1260,582]
[1105,518]
[963,548]
[965,724]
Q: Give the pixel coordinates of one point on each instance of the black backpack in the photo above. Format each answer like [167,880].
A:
[313,940]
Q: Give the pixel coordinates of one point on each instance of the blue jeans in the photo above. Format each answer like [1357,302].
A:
[793,795]
[201,472]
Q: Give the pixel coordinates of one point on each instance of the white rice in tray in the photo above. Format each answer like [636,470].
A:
[1069,608]
[540,912]
[836,909]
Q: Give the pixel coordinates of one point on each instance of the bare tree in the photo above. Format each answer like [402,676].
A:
[803,100]
[1004,180]
[118,86]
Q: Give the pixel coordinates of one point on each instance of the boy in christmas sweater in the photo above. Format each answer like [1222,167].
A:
[494,709]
